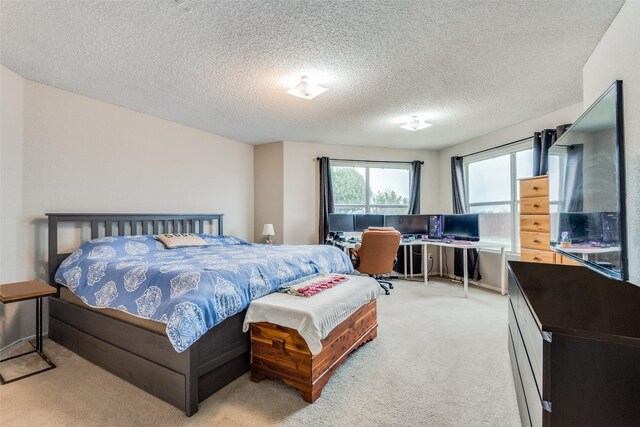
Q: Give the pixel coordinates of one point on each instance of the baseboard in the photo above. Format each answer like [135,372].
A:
[471,282]
[21,340]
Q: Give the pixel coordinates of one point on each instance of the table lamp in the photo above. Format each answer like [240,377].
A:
[268,231]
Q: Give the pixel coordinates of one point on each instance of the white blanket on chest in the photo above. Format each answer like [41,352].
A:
[314,317]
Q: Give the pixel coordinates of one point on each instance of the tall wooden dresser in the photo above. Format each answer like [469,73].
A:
[535,222]
[574,345]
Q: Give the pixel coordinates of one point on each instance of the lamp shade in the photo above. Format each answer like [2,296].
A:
[268,230]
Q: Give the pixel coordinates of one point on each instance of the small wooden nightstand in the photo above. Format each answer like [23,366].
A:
[22,291]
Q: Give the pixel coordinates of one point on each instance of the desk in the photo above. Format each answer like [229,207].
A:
[22,291]
[585,251]
[346,245]
[465,246]
[441,244]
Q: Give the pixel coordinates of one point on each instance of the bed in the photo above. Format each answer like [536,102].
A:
[135,348]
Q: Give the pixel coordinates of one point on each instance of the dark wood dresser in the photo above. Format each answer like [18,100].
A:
[574,343]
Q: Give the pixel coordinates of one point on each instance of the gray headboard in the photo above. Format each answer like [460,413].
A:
[108,224]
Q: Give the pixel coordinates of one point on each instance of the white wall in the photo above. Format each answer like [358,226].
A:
[490,262]
[12,247]
[617,57]
[302,182]
[84,155]
[268,160]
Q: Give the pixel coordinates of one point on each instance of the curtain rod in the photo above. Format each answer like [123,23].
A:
[370,161]
[499,146]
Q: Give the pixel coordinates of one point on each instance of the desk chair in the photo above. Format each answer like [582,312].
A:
[377,253]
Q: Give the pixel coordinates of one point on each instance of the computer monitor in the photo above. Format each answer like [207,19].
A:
[408,224]
[341,222]
[610,227]
[462,227]
[434,227]
[582,227]
[364,221]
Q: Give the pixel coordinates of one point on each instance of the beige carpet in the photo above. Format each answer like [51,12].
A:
[439,360]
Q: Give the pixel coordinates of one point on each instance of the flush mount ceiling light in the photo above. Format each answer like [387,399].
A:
[415,124]
[306,89]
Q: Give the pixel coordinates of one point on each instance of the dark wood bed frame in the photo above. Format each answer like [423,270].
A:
[137,355]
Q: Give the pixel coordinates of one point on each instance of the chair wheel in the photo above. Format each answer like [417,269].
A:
[386,292]
[390,285]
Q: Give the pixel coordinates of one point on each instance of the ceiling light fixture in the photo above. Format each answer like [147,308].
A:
[306,89]
[415,124]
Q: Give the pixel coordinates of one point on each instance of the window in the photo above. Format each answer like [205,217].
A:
[491,181]
[362,187]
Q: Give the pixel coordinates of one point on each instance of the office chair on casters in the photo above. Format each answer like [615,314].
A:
[377,253]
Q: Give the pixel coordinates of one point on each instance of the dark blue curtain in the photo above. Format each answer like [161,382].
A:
[414,197]
[573,194]
[459,207]
[542,141]
[326,198]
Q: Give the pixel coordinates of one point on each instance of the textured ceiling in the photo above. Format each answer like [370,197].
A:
[222,66]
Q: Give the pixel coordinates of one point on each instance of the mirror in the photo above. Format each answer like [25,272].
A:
[588,226]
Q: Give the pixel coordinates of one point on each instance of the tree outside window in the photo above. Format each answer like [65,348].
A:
[363,188]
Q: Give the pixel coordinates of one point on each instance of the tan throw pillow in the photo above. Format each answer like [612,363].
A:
[180,240]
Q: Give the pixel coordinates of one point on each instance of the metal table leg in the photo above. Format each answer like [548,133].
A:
[37,348]
[503,271]
[404,248]
[466,273]
[411,260]
[425,263]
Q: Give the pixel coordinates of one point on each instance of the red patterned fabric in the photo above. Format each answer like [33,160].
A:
[316,285]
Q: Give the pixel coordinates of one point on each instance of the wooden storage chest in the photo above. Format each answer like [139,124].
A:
[280,352]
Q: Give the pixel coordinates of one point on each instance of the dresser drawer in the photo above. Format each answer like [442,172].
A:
[535,240]
[534,205]
[535,255]
[531,334]
[568,261]
[530,390]
[539,223]
[517,382]
[534,187]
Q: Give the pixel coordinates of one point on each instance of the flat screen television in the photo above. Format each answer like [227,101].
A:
[462,227]
[341,223]
[590,184]
[364,221]
[408,224]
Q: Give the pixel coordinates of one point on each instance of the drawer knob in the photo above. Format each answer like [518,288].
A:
[535,258]
[535,205]
[535,188]
[536,241]
[535,223]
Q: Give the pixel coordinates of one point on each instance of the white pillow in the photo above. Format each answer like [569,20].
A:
[180,240]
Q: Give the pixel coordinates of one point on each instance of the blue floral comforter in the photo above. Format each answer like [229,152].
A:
[191,289]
